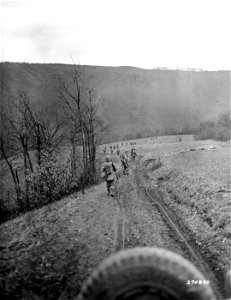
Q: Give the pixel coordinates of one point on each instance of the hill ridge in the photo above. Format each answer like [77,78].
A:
[159,100]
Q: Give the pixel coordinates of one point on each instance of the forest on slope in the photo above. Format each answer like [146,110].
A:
[138,101]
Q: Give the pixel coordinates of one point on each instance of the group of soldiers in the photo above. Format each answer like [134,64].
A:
[115,148]
[109,170]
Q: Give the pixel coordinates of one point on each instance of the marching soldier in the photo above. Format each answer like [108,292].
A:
[125,165]
[108,173]
[133,154]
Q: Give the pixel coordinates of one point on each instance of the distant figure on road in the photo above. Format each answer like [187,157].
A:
[125,165]
[108,173]
[133,154]
[126,155]
[118,151]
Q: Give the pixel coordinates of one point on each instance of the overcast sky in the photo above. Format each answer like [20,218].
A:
[140,33]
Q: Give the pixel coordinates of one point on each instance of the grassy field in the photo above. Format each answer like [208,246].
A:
[194,180]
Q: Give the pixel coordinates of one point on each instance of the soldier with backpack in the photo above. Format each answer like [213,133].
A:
[125,165]
[108,172]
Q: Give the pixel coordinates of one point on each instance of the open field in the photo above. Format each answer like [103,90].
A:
[47,253]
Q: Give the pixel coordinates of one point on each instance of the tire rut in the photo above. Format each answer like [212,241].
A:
[141,222]
[183,233]
[119,223]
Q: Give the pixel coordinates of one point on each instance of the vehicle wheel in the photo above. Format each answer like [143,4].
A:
[228,283]
[145,273]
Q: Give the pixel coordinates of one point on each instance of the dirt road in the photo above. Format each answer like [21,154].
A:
[139,223]
[48,253]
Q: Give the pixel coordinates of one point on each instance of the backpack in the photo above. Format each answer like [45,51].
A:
[103,175]
[106,170]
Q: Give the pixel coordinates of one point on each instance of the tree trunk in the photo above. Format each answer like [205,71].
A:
[24,145]
[30,162]
[73,158]
[38,144]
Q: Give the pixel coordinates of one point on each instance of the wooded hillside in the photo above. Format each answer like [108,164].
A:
[137,100]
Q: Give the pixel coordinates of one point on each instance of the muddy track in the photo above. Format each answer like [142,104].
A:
[119,225]
[177,226]
[124,227]
[130,233]
[193,251]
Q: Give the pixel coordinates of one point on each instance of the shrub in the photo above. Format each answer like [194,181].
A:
[222,134]
[152,162]
[217,130]
[222,222]
[49,182]
[216,133]
[205,134]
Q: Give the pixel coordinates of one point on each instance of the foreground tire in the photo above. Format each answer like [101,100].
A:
[145,273]
[228,284]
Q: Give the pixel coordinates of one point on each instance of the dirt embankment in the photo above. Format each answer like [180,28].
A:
[195,184]
[46,254]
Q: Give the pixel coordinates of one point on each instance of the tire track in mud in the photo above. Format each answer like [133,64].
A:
[188,246]
[137,220]
[119,222]
[136,223]
[124,236]
[127,230]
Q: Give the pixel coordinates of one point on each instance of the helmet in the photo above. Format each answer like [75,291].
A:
[108,158]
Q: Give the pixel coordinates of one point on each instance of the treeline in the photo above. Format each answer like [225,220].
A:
[217,129]
[148,132]
[168,100]
[36,168]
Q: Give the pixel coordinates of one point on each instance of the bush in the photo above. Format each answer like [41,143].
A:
[217,130]
[151,162]
[222,222]
[205,134]
[216,133]
[222,134]
[50,181]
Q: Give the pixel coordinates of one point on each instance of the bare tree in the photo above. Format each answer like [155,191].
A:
[43,128]
[27,128]
[82,107]
[225,120]
[5,154]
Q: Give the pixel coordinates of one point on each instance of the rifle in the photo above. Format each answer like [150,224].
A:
[114,169]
